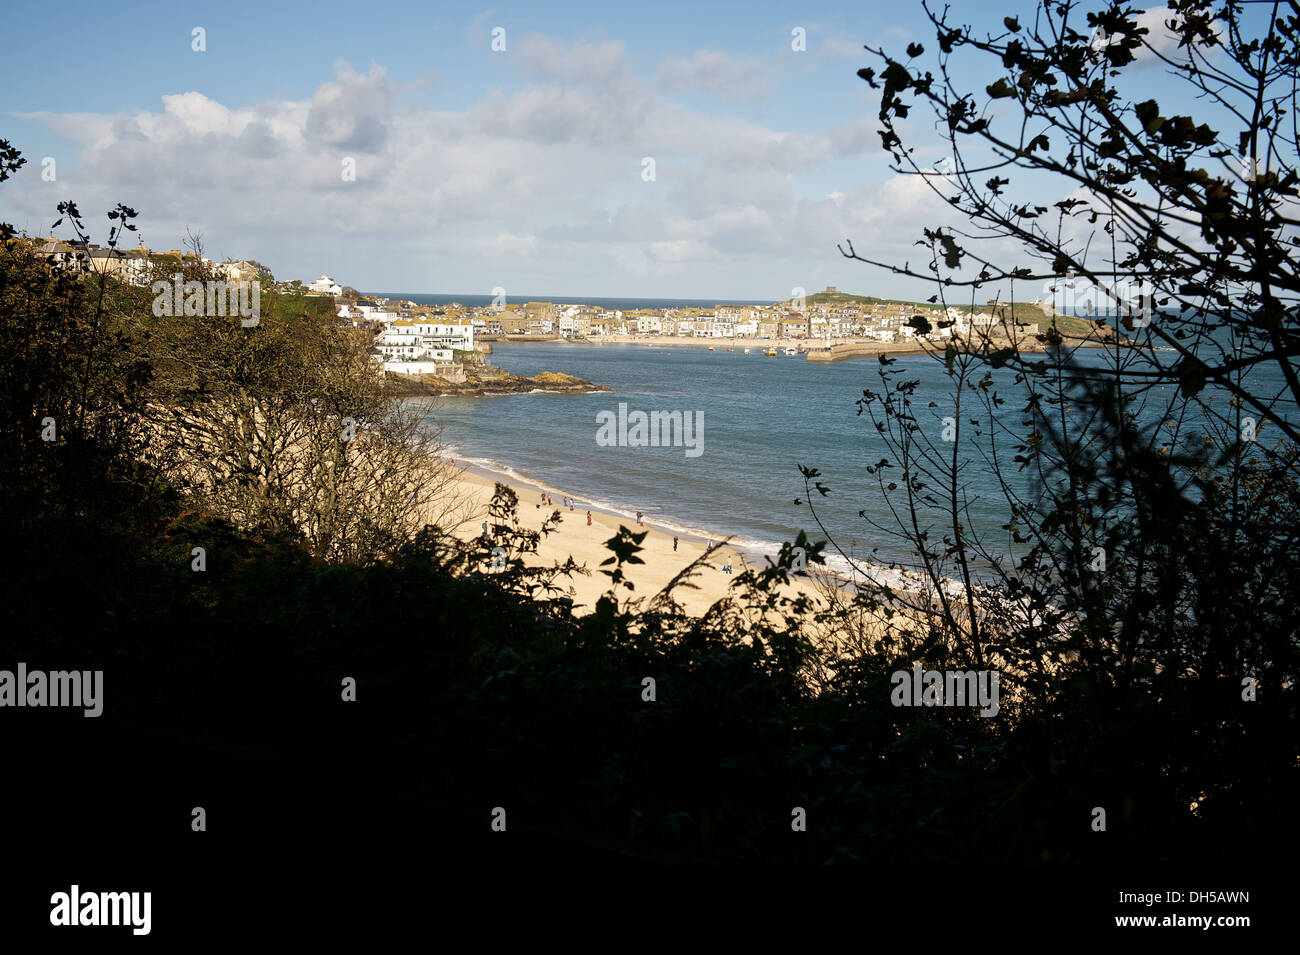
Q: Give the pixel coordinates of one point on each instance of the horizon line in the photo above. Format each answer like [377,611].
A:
[561,298]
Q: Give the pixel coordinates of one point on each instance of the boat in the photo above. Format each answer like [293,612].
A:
[748,350]
[731,349]
[711,348]
[770,353]
[791,352]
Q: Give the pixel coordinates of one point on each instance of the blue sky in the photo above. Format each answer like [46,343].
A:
[477,169]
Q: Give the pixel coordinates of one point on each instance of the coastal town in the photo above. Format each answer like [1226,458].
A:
[414,339]
[818,321]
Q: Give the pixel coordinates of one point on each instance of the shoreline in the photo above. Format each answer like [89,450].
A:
[522,485]
[751,552]
[476,481]
[815,348]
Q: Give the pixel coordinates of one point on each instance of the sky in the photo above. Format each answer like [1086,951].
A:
[656,150]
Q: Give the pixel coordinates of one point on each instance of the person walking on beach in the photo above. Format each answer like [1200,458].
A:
[638,518]
[589,518]
[674,545]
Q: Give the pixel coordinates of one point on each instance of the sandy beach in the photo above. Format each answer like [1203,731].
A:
[586,545]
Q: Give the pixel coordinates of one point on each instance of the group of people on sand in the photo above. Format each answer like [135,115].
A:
[569,502]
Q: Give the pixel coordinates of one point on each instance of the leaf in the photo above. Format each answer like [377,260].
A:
[915,49]
[1149,113]
[1012,24]
[1000,90]
[952,252]
[1000,357]
[896,78]
[1191,376]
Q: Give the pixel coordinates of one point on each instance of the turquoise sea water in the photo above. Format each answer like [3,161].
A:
[761,417]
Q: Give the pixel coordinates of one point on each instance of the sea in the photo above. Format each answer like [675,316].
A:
[763,418]
[619,304]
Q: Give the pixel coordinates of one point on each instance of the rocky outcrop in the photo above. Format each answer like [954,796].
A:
[481,386]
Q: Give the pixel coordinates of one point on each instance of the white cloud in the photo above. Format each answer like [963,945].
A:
[198,114]
[1159,37]
[719,74]
[510,244]
[1159,40]
[842,48]
[542,184]
[352,113]
[580,60]
[679,250]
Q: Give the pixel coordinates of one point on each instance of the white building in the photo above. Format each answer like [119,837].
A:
[409,339]
[325,286]
[372,313]
[419,348]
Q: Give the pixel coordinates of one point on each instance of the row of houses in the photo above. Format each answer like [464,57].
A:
[880,321]
[138,266]
[587,322]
